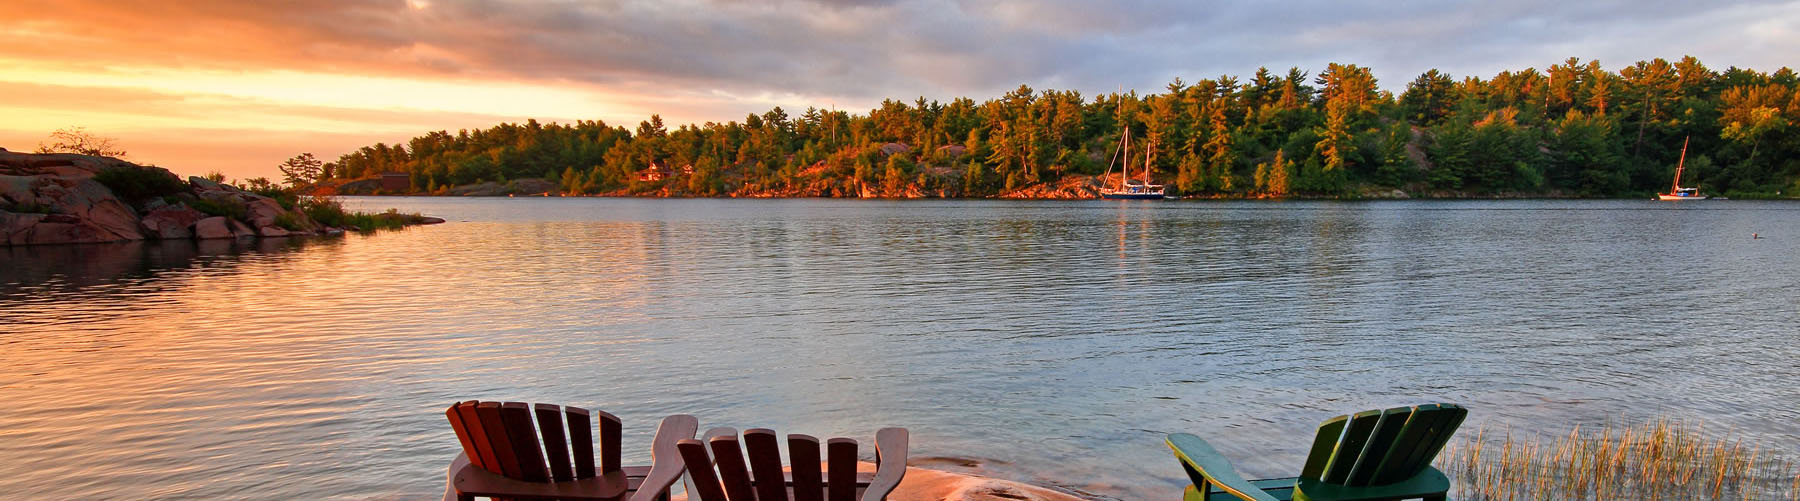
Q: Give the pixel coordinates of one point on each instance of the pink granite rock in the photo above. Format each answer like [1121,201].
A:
[262,212]
[932,485]
[239,229]
[170,222]
[84,210]
[212,227]
[87,212]
[15,229]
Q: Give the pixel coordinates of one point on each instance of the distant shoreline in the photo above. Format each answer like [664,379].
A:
[1355,197]
[1075,188]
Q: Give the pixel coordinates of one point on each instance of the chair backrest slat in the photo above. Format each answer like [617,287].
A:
[611,434]
[729,457]
[765,463]
[499,440]
[468,432]
[717,469]
[1425,420]
[705,483]
[1330,432]
[503,438]
[581,440]
[803,455]
[1450,417]
[523,437]
[1356,436]
[1380,447]
[1410,447]
[556,446]
[840,484]
[1381,441]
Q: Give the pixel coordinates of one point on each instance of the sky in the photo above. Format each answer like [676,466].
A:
[237,87]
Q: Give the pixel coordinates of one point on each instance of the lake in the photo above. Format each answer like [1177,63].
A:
[1050,342]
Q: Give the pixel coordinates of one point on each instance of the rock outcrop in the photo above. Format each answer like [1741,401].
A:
[55,199]
[164,221]
[932,485]
[1068,188]
[212,227]
[68,198]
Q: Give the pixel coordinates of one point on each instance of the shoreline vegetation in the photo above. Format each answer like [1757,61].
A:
[1574,130]
[1660,459]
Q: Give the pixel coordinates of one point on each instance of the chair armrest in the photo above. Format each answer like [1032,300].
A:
[665,461]
[1205,466]
[456,465]
[890,459]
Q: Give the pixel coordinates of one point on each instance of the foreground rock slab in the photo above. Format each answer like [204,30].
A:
[934,485]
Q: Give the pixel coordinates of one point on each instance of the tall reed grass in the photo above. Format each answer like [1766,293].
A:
[1664,459]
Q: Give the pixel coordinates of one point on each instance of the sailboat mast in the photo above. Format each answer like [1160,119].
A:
[1149,150]
[1125,163]
[1680,164]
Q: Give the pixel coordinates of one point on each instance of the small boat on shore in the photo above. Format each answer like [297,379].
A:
[1676,192]
[1130,189]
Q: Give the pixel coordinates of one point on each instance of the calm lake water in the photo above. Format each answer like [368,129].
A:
[1050,342]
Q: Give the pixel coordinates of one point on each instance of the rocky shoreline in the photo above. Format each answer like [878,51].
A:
[60,198]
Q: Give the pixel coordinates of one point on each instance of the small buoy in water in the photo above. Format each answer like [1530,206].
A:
[1754,236]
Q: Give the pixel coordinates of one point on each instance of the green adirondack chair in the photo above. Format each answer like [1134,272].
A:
[1370,455]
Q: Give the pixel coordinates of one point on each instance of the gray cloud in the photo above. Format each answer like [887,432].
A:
[856,52]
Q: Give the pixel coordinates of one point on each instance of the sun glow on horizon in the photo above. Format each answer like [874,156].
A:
[286,111]
[312,89]
[141,104]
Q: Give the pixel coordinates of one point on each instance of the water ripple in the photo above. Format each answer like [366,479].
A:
[319,368]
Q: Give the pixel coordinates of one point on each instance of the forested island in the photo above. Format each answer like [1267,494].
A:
[1575,130]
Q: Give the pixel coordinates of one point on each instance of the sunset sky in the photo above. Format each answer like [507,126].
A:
[237,87]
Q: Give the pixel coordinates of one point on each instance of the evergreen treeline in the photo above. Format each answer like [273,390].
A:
[1575,130]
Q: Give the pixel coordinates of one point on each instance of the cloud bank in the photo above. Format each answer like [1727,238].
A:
[715,60]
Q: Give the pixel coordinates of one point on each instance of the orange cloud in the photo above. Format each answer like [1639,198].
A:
[199,74]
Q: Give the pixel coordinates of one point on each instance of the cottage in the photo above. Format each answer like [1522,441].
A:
[657,171]
[396,181]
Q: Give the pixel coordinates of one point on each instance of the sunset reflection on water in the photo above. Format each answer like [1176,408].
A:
[1048,342]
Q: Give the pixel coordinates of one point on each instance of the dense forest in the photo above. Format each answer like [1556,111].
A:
[1574,130]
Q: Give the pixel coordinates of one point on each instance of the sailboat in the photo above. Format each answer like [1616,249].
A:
[1676,192]
[1130,189]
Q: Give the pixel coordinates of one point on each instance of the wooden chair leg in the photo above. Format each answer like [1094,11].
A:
[1191,493]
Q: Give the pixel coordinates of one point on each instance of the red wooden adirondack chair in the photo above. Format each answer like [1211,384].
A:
[840,481]
[501,456]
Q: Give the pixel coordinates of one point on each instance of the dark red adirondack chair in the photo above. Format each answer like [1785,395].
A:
[502,459]
[764,480]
